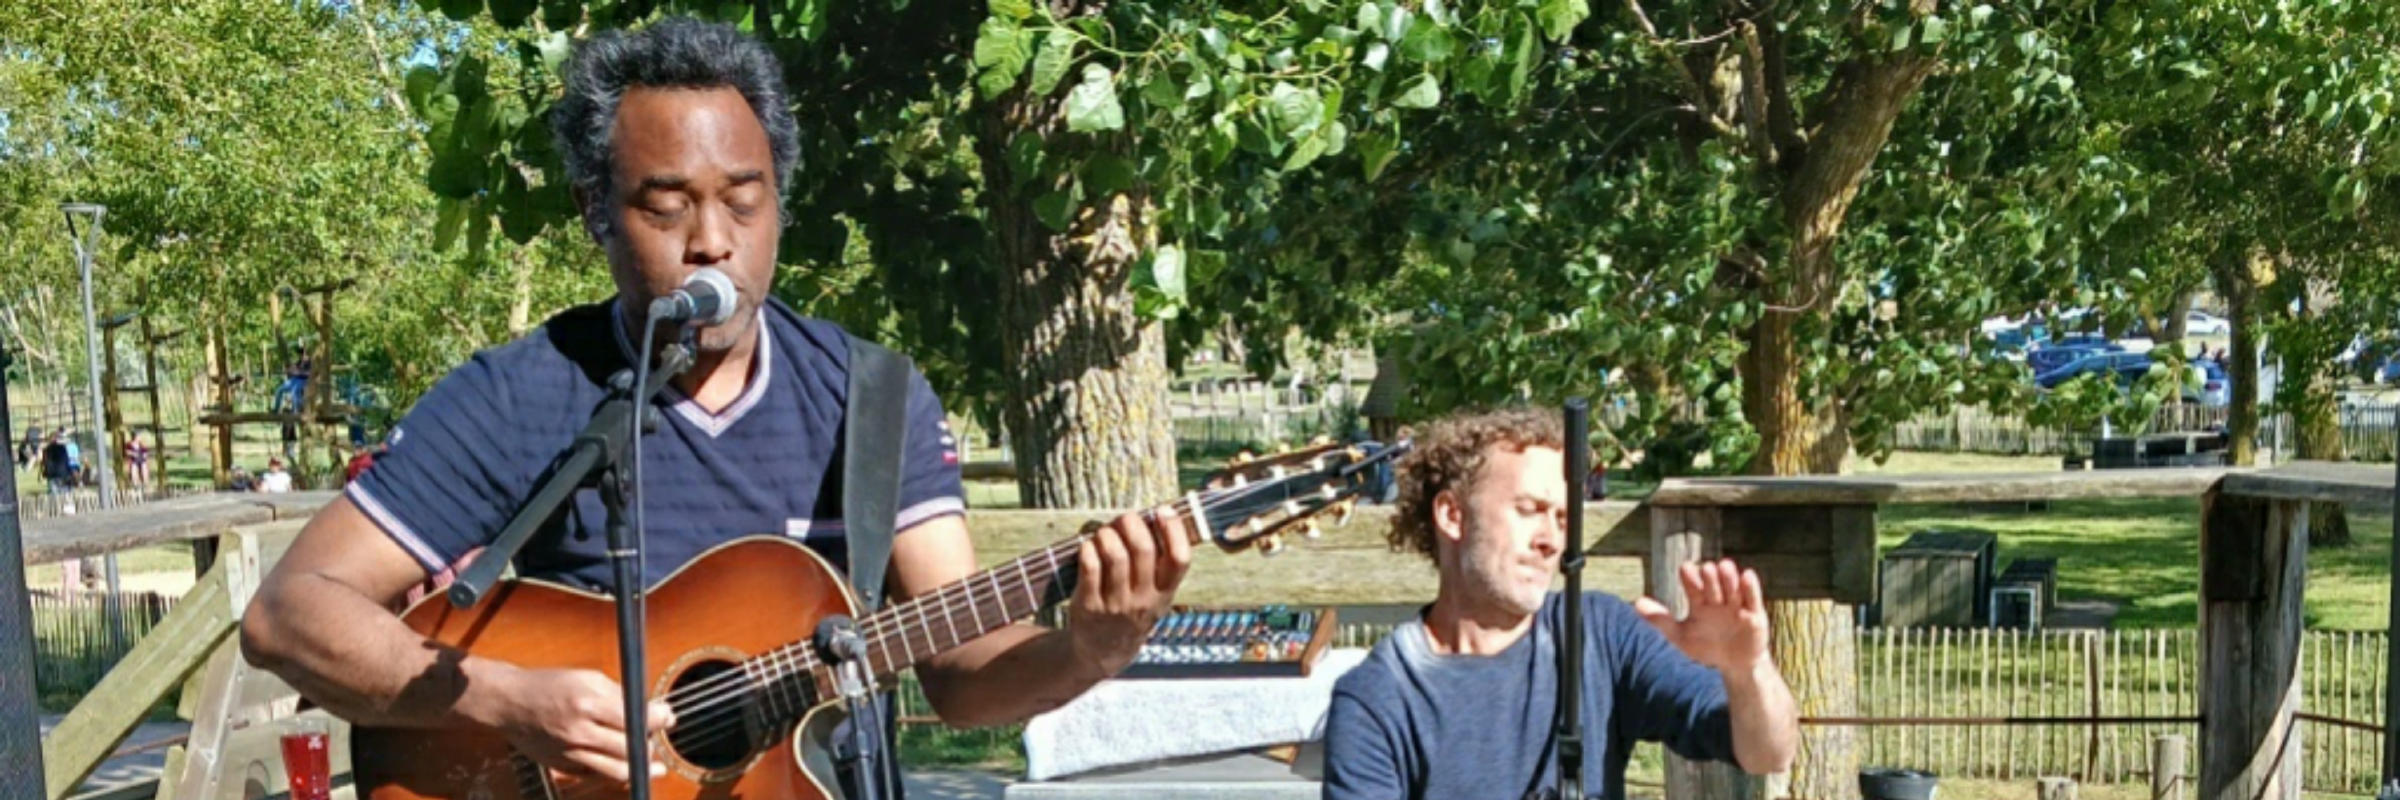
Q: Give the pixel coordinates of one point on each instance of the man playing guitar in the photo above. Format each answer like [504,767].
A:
[679,142]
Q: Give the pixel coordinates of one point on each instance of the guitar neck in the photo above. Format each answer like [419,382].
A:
[902,635]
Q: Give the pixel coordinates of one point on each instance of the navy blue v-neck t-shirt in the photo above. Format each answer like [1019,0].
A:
[469,454]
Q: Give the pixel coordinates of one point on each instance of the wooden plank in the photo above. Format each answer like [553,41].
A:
[2365,484]
[1903,489]
[1852,573]
[212,716]
[1612,529]
[200,622]
[2249,661]
[198,516]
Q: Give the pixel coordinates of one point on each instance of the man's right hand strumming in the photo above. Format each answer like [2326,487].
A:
[572,721]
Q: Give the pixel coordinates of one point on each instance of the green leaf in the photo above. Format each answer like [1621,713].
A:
[1422,91]
[1525,55]
[1201,86]
[479,229]
[420,90]
[1093,104]
[455,173]
[1050,67]
[1297,111]
[1375,151]
[1019,10]
[1166,271]
[1370,18]
[467,78]
[1001,52]
[1163,92]
[1204,266]
[449,217]
[520,218]
[1376,54]
[461,10]
[514,13]
[1107,174]
[1430,44]
[1025,156]
[1936,29]
[1559,17]
[1337,138]
[555,49]
[1215,39]
[1056,209]
[1396,22]
[1309,149]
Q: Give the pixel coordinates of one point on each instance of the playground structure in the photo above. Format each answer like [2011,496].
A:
[311,456]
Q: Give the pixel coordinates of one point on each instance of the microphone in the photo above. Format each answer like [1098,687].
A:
[705,301]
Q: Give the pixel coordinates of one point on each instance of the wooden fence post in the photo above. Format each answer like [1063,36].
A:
[1681,535]
[2253,564]
[2166,767]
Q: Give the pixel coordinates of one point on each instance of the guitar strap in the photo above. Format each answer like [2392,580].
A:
[874,434]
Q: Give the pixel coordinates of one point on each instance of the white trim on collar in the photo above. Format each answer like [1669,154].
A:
[762,372]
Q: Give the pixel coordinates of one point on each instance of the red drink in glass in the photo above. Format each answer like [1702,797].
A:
[307,762]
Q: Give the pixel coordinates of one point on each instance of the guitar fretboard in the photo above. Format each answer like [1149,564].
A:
[905,634]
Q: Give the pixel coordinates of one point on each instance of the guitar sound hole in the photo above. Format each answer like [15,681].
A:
[716,716]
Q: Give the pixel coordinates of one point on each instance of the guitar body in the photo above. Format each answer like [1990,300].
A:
[738,600]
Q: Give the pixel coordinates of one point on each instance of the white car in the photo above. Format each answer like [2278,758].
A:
[2202,323]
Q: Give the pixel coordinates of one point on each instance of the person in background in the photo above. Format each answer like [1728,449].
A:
[275,480]
[241,481]
[137,462]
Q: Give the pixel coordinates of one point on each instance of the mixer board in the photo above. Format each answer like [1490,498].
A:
[1267,641]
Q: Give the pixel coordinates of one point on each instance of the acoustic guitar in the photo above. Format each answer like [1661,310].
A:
[731,650]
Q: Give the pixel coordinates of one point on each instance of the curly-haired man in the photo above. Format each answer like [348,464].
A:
[1462,701]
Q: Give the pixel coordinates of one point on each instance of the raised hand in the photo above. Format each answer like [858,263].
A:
[1726,627]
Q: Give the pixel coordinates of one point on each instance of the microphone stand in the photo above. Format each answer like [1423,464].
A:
[1570,651]
[594,458]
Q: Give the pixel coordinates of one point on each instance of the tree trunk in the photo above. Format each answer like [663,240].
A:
[2317,418]
[2237,282]
[1813,637]
[1087,414]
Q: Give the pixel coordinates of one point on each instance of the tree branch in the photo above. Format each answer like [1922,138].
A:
[1691,83]
[1783,123]
[1754,99]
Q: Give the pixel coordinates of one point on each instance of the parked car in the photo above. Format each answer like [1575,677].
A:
[2055,356]
[2127,366]
[2202,323]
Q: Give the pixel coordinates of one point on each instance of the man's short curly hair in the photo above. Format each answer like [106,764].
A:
[1450,457]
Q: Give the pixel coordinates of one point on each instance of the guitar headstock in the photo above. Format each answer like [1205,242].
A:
[1256,502]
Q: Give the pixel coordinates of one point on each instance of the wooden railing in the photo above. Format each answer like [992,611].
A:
[1814,538]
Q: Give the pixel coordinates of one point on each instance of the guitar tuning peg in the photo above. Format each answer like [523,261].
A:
[1240,479]
[1243,457]
[1311,530]
[1292,507]
[1275,472]
[1321,441]
[1271,546]
[1343,510]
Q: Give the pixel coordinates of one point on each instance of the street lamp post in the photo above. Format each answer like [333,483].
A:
[87,241]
